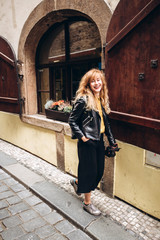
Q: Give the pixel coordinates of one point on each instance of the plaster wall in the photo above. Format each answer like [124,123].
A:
[13,15]
[135,181]
[37,140]
[71,158]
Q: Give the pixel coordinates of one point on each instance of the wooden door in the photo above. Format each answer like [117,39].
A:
[9,94]
[133,72]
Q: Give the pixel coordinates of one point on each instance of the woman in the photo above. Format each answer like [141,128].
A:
[88,122]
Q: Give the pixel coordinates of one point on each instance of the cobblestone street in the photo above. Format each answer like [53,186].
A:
[27,212]
[24,216]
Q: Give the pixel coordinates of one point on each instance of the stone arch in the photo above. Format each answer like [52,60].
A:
[41,18]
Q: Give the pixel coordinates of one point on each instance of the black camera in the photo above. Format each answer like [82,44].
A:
[110,150]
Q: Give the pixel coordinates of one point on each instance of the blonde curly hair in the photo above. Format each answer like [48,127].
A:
[85,90]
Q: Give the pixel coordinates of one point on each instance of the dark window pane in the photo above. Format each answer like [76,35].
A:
[84,37]
[53,47]
[43,79]
[57,48]
[43,88]
[44,99]
[59,79]
[77,72]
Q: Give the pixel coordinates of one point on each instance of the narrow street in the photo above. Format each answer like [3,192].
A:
[24,216]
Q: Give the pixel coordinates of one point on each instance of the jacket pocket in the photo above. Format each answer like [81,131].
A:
[87,120]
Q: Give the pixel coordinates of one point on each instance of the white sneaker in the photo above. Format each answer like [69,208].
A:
[75,186]
[90,208]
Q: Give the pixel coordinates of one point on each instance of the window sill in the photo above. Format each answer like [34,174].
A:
[41,121]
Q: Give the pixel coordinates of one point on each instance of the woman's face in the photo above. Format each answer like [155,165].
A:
[96,84]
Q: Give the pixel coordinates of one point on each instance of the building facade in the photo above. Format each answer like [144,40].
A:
[54,42]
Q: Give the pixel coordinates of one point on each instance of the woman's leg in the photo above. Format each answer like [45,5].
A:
[87,168]
[87,198]
[100,161]
[87,174]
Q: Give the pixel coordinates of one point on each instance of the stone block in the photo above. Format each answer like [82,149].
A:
[33,224]
[12,221]
[43,209]
[53,218]
[17,208]
[12,233]
[103,228]
[45,231]
[33,200]
[3,204]
[24,194]
[65,227]
[60,150]
[3,188]
[78,234]
[13,200]
[24,174]
[4,176]
[28,215]
[10,181]
[57,236]
[4,213]
[5,159]
[6,194]
[18,188]
[29,236]
[1,228]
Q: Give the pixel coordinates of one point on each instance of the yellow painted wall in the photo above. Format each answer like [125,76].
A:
[71,157]
[136,182]
[37,140]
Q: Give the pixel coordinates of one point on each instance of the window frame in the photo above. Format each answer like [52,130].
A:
[88,56]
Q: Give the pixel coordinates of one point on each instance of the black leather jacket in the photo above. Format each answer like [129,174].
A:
[87,122]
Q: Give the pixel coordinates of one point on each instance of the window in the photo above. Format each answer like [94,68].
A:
[66,51]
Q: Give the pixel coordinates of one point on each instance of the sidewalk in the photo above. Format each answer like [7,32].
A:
[119,220]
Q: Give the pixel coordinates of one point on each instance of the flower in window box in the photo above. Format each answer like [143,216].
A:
[60,105]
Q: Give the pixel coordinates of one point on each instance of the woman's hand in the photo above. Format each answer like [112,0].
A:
[115,147]
[84,139]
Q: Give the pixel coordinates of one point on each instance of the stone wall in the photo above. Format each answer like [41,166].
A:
[14,14]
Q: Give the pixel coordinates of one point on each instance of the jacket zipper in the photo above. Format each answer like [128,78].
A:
[87,121]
